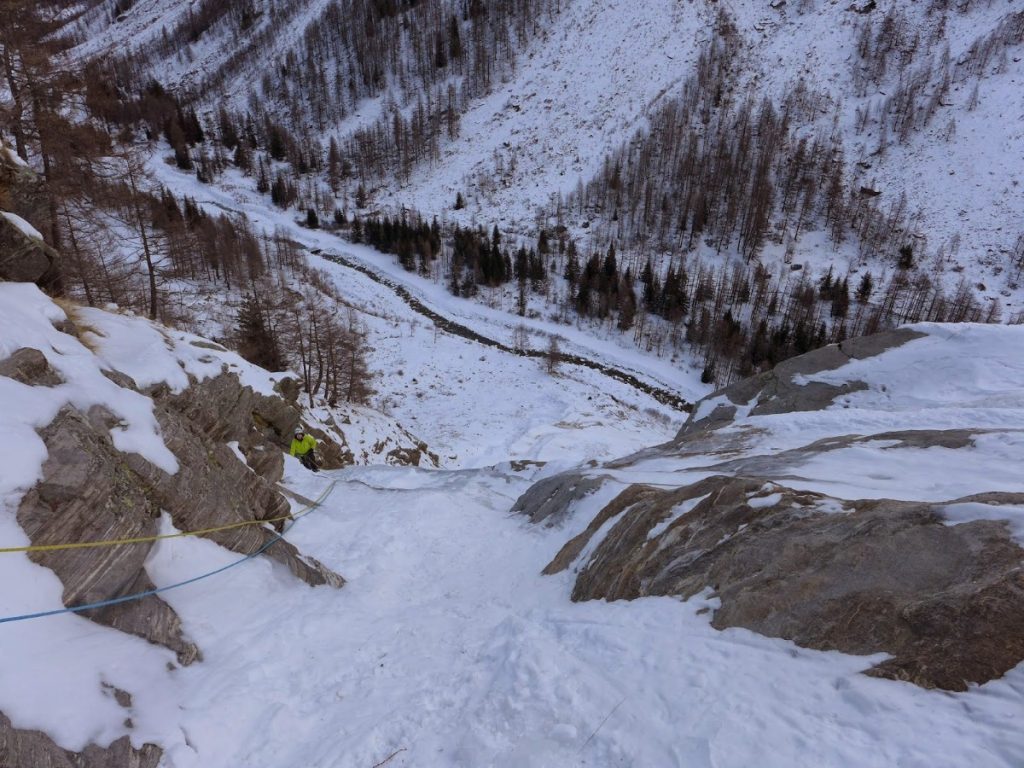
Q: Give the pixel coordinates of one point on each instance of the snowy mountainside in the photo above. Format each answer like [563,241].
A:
[144,23]
[589,79]
[465,634]
[557,123]
[592,82]
[770,178]
[448,647]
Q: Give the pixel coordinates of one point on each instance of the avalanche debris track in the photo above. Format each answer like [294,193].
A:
[660,394]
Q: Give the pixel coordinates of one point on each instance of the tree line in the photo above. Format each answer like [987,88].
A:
[735,320]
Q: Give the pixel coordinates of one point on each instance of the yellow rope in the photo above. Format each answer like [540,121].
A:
[145,539]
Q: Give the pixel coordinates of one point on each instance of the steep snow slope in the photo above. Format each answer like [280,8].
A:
[448,648]
[142,26]
[580,91]
[589,81]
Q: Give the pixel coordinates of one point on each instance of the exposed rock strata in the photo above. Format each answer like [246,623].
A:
[946,602]
[34,749]
[91,491]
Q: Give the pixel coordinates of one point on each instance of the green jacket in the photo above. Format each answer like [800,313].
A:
[303,446]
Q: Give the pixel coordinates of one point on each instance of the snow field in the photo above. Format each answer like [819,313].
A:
[446,642]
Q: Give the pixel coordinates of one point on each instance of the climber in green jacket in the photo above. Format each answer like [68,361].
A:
[303,447]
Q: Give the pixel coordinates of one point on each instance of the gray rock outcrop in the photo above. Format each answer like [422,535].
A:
[550,500]
[91,491]
[781,390]
[34,749]
[28,366]
[862,576]
[946,602]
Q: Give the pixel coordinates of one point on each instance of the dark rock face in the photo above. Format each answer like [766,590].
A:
[34,749]
[24,259]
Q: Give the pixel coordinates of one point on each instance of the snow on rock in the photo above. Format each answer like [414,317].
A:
[370,437]
[913,435]
[24,257]
[87,457]
[27,320]
[37,749]
[969,511]
[152,354]
[22,226]
[7,155]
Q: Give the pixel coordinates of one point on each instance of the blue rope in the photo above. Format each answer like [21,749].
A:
[158,590]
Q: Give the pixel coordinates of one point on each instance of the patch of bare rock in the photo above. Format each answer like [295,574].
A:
[862,576]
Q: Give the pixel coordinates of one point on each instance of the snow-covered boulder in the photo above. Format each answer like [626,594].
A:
[24,257]
[866,497]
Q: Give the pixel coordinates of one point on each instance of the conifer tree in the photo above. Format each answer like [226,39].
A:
[256,342]
[865,288]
